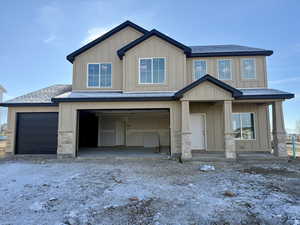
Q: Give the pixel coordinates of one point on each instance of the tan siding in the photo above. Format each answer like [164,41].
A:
[261,124]
[12,118]
[214,123]
[237,80]
[105,51]
[207,91]
[155,47]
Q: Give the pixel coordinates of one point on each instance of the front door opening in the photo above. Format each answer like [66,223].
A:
[136,131]
[198,131]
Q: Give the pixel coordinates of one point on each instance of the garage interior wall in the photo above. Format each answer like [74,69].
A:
[147,129]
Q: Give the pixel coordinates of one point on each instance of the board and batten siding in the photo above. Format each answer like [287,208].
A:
[175,63]
[237,80]
[104,52]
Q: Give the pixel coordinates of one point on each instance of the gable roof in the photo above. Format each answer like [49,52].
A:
[127,23]
[121,52]
[235,92]
[227,50]
[40,97]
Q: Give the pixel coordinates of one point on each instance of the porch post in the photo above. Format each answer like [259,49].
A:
[186,134]
[230,151]
[279,134]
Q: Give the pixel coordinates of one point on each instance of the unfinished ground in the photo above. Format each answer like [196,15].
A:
[147,192]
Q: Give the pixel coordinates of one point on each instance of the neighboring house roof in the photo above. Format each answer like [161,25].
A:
[121,52]
[235,92]
[2,88]
[227,50]
[40,97]
[127,23]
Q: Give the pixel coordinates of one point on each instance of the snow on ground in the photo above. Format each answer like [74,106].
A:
[141,192]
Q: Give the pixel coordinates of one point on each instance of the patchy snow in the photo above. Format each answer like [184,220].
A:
[147,192]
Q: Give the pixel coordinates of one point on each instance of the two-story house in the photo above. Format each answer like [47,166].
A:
[139,89]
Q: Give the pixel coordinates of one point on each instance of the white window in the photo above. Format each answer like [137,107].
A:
[243,126]
[152,71]
[200,69]
[99,75]
[224,69]
[248,69]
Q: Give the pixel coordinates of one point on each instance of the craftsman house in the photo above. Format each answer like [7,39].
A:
[134,89]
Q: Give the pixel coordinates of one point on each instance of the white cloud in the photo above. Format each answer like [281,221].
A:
[284,81]
[51,38]
[95,32]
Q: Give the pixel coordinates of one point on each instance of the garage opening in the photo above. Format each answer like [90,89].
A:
[123,132]
[36,133]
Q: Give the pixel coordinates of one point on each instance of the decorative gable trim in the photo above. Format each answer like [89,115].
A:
[71,57]
[235,92]
[121,52]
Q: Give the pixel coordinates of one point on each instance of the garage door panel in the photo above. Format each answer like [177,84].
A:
[37,133]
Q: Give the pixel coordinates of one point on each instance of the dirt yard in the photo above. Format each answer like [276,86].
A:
[147,192]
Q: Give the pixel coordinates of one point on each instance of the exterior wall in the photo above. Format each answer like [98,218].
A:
[12,122]
[237,80]
[214,123]
[105,51]
[68,121]
[262,140]
[155,47]
[207,91]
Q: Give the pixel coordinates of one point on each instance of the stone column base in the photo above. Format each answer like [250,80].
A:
[279,140]
[65,144]
[186,146]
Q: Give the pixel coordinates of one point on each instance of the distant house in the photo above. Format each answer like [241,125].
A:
[2,90]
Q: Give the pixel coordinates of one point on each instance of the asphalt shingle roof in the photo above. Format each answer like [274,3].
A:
[223,48]
[43,95]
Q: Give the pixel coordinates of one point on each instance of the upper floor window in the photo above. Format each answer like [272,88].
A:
[152,71]
[248,68]
[99,75]
[243,126]
[200,69]
[224,69]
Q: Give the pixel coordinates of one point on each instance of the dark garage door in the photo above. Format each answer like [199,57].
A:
[36,133]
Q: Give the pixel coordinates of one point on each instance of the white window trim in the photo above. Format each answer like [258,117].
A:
[242,68]
[230,60]
[87,75]
[194,72]
[254,127]
[165,71]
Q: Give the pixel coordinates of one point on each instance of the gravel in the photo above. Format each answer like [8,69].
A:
[146,192]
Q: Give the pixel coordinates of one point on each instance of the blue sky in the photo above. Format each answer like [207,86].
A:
[37,35]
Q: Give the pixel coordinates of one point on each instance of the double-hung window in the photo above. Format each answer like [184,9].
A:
[152,71]
[200,69]
[224,69]
[248,68]
[243,126]
[99,75]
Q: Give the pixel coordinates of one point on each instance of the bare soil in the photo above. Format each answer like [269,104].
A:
[144,192]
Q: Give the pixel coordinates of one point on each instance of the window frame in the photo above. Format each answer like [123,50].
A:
[99,64]
[165,71]
[194,71]
[231,72]
[242,69]
[254,127]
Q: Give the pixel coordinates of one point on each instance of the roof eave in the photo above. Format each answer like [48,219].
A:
[24,104]
[276,96]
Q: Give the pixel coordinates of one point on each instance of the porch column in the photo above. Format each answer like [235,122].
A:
[186,134]
[279,134]
[230,151]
